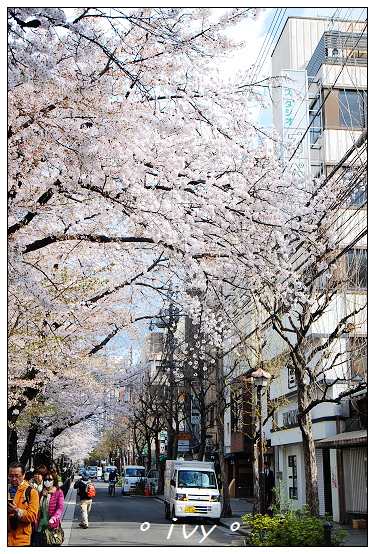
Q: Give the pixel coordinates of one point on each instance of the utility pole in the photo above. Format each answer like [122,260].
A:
[172,320]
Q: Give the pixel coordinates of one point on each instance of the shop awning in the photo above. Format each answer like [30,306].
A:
[342,440]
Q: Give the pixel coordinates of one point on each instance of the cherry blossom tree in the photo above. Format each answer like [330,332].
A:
[133,168]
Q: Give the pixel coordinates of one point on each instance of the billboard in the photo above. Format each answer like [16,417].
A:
[295,119]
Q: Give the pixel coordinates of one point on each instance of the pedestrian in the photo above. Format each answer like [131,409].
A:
[37,479]
[51,505]
[269,483]
[85,500]
[22,508]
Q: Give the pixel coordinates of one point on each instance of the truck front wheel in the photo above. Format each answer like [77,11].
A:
[167,511]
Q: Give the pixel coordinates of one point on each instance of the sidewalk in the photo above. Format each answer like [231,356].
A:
[68,514]
[241,507]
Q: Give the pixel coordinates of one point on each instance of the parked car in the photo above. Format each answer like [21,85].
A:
[93,472]
[107,471]
[132,476]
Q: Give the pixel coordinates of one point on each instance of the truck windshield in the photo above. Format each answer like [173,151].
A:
[134,472]
[197,479]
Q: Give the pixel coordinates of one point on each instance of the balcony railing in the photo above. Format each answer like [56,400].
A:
[336,47]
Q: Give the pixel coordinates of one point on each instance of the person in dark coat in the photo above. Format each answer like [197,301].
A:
[85,500]
[269,483]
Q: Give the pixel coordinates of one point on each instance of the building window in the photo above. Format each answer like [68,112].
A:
[315,115]
[292,467]
[353,109]
[291,377]
[358,358]
[356,269]
[359,197]
[126,396]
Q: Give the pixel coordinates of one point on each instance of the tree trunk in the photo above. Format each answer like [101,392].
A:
[26,454]
[149,457]
[227,510]
[203,433]
[254,449]
[309,454]
[175,442]
[159,463]
[220,403]
[256,488]
[12,445]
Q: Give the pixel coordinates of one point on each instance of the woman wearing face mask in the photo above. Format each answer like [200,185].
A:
[37,480]
[51,505]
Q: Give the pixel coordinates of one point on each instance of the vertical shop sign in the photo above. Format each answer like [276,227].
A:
[295,119]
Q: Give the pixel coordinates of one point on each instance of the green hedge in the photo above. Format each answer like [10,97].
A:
[295,528]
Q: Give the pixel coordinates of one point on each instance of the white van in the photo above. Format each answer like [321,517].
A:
[191,490]
[107,471]
[93,472]
[131,476]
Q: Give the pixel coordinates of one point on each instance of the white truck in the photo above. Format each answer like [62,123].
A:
[191,490]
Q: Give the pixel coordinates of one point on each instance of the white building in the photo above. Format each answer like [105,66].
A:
[322,107]
[328,60]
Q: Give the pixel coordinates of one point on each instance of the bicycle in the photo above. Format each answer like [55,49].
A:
[111,489]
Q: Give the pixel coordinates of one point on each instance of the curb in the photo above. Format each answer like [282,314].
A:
[238,531]
[68,514]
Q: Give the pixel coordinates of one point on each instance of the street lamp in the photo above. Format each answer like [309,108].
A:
[261,379]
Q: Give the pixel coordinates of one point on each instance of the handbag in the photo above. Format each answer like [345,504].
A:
[52,537]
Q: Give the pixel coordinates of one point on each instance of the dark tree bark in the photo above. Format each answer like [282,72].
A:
[12,446]
[220,402]
[308,445]
[26,454]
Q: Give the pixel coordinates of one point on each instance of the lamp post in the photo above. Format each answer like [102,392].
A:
[261,379]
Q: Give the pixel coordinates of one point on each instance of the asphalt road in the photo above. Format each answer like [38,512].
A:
[139,521]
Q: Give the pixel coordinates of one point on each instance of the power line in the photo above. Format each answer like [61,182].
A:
[344,64]
[267,43]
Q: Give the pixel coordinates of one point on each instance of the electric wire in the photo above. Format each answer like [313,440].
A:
[344,64]
[267,44]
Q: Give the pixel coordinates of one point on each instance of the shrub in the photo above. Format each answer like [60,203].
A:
[295,528]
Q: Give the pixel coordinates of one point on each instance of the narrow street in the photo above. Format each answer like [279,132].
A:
[139,521]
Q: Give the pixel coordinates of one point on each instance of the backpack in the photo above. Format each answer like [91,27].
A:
[28,494]
[27,499]
[90,489]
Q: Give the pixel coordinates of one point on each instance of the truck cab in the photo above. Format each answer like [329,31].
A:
[191,490]
[132,476]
